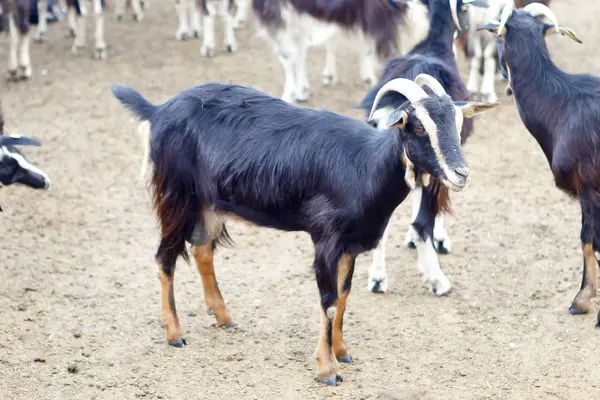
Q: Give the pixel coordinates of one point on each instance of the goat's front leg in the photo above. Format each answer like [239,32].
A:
[41,32]
[138,13]
[328,367]
[441,239]
[182,7]
[24,54]
[368,61]
[120,9]
[226,13]
[344,284]
[329,74]
[488,83]
[287,53]
[378,281]
[589,284]
[100,43]
[195,20]
[13,60]
[208,20]
[427,256]
[415,199]
[78,24]
[474,69]
[302,85]
[204,256]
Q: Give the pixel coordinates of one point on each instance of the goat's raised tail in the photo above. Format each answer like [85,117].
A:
[144,110]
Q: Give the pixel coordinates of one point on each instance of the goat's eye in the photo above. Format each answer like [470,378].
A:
[419,130]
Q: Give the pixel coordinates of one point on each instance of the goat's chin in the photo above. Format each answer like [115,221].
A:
[456,186]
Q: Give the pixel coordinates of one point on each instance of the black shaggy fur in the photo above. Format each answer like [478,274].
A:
[562,113]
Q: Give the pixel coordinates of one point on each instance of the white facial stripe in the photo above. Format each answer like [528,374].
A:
[459,120]
[431,128]
[23,163]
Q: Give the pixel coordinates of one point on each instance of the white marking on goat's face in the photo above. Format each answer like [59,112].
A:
[432,141]
[14,168]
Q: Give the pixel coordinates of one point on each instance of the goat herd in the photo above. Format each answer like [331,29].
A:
[224,151]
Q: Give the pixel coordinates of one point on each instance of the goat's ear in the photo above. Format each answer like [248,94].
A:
[397,119]
[472,108]
[491,27]
[17,140]
[550,29]
[476,3]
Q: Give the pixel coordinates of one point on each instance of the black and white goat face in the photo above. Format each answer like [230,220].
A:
[15,168]
[429,128]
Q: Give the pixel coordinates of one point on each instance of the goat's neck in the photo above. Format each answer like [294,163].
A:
[441,24]
[537,85]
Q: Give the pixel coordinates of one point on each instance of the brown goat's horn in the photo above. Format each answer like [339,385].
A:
[454,10]
[434,84]
[506,13]
[536,9]
[405,87]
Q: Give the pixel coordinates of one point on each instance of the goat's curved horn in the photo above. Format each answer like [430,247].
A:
[434,84]
[454,10]
[536,9]
[506,13]
[405,87]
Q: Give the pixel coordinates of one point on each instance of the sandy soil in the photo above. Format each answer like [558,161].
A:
[80,305]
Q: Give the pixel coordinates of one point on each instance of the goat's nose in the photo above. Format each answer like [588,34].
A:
[462,171]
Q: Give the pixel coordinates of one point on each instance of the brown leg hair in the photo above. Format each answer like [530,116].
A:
[589,283]
[169,312]
[344,283]
[204,256]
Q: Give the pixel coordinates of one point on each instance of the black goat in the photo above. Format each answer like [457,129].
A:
[433,56]
[226,151]
[290,23]
[14,167]
[562,112]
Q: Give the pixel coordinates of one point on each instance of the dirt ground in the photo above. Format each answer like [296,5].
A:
[79,294]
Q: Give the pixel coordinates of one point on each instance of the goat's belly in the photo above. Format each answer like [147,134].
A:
[279,219]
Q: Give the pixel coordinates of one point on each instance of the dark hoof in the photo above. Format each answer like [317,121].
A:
[119,18]
[301,100]
[229,48]
[377,287]
[347,359]
[330,380]
[177,342]
[229,325]
[210,312]
[598,321]
[411,245]
[441,249]
[574,310]
[196,34]
[72,33]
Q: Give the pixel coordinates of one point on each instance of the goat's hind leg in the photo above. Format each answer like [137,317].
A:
[590,242]
[344,284]
[378,281]
[13,59]
[41,32]
[166,275]
[204,256]
[208,21]
[100,43]
[229,30]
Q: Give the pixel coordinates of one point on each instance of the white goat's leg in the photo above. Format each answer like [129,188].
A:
[13,61]
[415,199]
[230,42]
[119,9]
[138,13]
[287,53]
[302,84]
[378,281]
[79,41]
[329,74]
[368,61]
[41,32]
[24,56]
[72,18]
[241,13]
[208,21]
[195,20]
[475,66]
[488,89]
[182,7]
[100,43]
[440,236]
